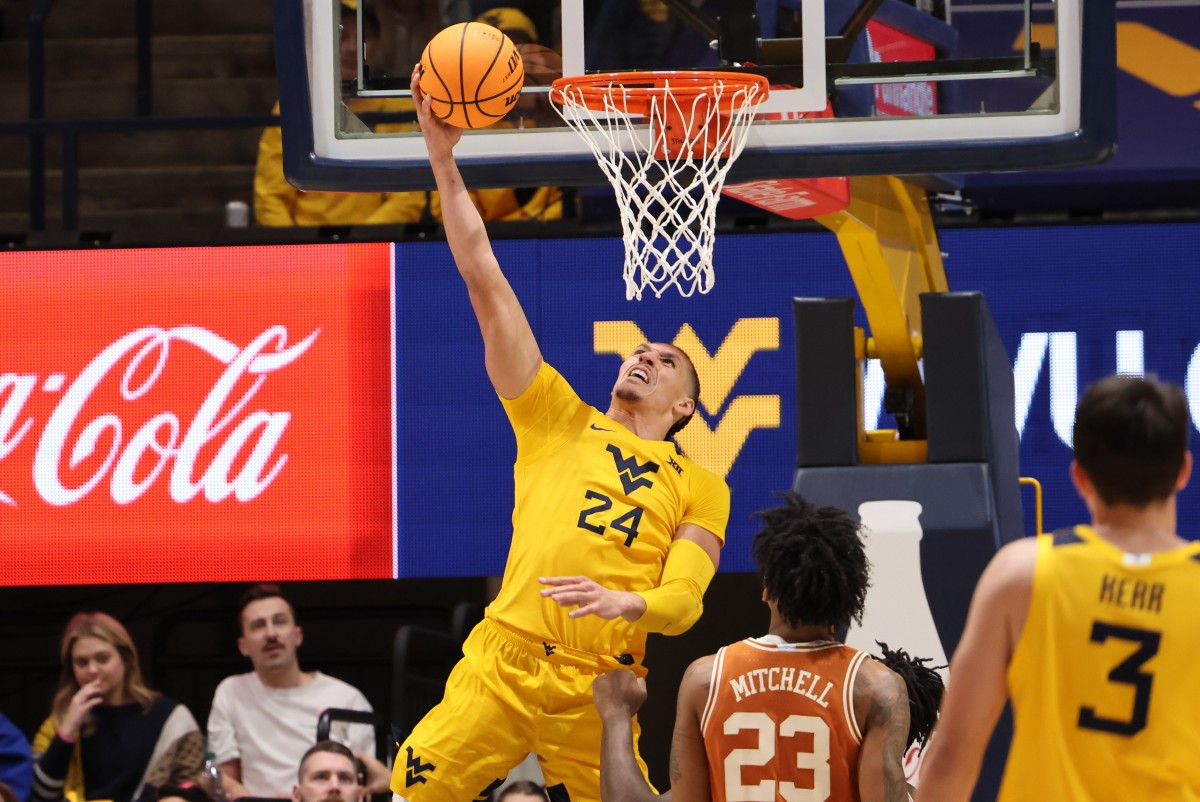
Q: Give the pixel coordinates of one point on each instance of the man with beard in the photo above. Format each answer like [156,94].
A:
[328,773]
[262,721]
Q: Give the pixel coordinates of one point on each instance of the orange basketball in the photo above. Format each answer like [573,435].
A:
[474,74]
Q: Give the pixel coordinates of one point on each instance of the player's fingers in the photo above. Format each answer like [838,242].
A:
[560,589]
[561,580]
[595,607]
[566,596]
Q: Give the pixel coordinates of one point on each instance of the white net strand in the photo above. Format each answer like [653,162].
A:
[667,204]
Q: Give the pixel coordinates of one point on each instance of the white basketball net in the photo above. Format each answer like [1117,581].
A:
[668,202]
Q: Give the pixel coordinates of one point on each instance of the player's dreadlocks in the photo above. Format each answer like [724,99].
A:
[812,563]
[925,688]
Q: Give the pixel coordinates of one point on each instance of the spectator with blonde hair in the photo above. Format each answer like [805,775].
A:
[109,736]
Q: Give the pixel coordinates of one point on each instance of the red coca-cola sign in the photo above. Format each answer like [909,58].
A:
[196,414]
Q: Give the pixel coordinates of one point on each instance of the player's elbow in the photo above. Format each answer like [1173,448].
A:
[672,609]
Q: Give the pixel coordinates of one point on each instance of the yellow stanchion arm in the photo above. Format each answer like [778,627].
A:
[891,248]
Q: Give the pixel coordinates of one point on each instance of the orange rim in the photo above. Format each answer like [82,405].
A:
[636,90]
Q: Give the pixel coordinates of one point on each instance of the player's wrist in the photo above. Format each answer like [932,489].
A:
[633,606]
[618,718]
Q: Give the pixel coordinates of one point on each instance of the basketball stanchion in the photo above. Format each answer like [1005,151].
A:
[665,140]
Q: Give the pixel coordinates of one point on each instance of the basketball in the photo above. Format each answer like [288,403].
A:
[473,73]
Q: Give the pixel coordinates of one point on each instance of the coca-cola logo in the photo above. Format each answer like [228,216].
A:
[912,763]
[131,459]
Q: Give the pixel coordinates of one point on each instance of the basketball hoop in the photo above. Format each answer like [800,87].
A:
[666,141]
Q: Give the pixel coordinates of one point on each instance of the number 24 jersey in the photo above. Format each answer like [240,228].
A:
[593,499]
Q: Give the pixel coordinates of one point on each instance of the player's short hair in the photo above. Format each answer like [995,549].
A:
[338,749]
[1131,437]
[263,590]
[693,393]
[812,562]
[522,787]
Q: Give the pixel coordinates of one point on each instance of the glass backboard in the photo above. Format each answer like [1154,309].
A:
[913,88]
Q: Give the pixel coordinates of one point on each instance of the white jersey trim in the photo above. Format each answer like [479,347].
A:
[774,643]
[714,681]
[848,696]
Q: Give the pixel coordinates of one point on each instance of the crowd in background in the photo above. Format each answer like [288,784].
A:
[395,33]
[110,736]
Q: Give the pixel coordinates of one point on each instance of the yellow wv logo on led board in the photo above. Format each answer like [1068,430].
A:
[715,447]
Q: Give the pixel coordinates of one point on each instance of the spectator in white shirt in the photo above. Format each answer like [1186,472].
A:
[263,722]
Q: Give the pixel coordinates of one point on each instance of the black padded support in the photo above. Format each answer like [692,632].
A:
[968,490]
[826,382]
[969,397]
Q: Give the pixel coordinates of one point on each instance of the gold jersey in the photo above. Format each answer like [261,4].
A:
[592,499]
[1103,680]
[779,722]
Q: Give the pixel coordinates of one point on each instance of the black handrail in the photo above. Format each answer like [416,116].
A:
[37,110]
[38,128]
[145,84]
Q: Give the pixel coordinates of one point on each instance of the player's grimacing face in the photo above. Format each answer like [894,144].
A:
[654,372]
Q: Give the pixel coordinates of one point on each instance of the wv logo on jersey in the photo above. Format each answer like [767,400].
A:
[630,471]
[415,769]
[715,437]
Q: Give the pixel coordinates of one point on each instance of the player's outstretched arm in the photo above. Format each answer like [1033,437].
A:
[617,696]
[881,759]
[511,353]
[975,698]
[689,759]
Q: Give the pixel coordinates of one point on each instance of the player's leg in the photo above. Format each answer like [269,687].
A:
[568,741]
[463,745]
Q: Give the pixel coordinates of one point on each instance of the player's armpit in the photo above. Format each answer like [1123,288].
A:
[677,602]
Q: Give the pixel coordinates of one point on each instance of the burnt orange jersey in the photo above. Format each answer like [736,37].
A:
[779,722]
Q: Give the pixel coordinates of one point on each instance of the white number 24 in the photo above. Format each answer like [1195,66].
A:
[817,760]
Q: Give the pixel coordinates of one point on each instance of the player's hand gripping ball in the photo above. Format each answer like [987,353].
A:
[473,73]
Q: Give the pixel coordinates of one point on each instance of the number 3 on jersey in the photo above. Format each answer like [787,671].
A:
[1127,672]
[816,761]
[626,524]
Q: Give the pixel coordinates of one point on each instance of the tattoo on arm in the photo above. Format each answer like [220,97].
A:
[676,772]
[889,713]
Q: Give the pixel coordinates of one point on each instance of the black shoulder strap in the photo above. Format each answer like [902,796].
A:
[1065,536]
